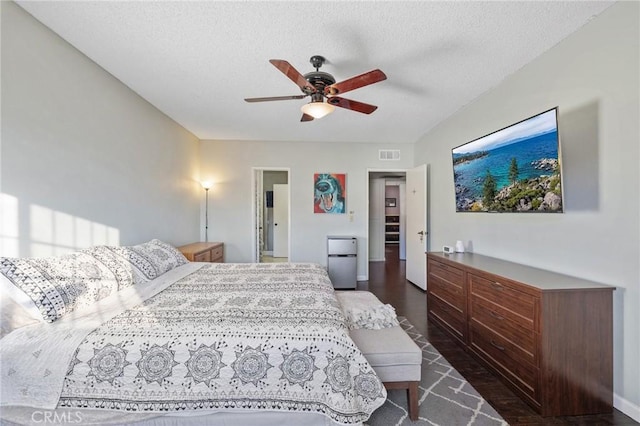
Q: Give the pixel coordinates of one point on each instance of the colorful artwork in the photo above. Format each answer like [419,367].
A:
[329,192]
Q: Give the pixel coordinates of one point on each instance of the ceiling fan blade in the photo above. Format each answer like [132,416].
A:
[355,82]
[306,117]
[275,98]
[352,105]
[287,69]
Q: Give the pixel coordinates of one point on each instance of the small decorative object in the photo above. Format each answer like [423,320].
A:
[459,247]
[329,192]
[389,202]
[448,249]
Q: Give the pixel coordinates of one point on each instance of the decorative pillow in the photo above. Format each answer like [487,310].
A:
[125,263]
[51,287]
[162,256]
[59,285]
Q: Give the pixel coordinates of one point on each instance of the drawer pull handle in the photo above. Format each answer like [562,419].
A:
[496,316]
[497,346]
[497,286]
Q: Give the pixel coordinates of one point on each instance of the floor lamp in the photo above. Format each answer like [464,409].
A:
[207,187]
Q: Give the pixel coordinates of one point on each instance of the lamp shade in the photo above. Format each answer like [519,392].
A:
[317,109]
[206,185]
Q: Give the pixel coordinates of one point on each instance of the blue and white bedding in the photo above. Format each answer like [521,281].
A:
[200,337]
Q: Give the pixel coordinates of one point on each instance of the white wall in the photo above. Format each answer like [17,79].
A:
[228,164]
[84,160]
[593,76]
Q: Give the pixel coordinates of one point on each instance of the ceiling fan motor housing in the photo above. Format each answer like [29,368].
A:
[319,80]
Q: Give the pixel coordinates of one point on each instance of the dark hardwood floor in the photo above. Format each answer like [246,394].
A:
[387,281]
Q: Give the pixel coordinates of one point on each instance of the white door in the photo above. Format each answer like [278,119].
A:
[416,230]
[280,220]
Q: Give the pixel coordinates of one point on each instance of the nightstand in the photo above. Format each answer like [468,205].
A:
[203,252]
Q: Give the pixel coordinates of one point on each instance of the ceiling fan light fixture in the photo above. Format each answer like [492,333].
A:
[317,109]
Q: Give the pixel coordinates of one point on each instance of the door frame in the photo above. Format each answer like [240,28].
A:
[369,171]
[255,173]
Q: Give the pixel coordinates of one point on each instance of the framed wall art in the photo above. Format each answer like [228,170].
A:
[329,193]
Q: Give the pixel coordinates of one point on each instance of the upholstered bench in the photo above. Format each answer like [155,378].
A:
[394,356]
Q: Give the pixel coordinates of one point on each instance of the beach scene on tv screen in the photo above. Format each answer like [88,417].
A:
[516,169]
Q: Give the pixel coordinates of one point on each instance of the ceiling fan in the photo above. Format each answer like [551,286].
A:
[320,85]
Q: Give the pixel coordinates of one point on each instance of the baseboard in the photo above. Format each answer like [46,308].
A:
[361,278]
[627,407]
[377,260]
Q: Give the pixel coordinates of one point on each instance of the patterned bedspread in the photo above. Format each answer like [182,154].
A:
[229,336]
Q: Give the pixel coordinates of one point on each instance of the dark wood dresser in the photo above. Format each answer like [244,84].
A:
[548,336]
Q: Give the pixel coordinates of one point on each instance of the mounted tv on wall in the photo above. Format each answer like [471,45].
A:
[515,169]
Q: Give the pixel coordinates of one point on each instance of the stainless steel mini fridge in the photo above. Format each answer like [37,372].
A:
[342,258]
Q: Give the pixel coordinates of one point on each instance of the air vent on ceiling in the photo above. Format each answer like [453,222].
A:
[389,154]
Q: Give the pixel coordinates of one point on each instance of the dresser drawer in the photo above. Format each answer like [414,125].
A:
[504,356]
[445,273]
[446,290]
[521,306]
[448,315]
[504,322]
[217,254]
[202,257]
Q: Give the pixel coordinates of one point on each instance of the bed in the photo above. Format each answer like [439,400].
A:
[137,333]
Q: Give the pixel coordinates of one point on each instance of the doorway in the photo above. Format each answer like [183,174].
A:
[387,215]
[384,212]
[271,208]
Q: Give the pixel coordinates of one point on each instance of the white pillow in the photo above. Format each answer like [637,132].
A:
[13,315]
[8,291]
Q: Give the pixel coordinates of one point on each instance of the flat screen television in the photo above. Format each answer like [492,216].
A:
[514,169]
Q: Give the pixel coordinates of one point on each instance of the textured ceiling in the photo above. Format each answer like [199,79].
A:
[196,61]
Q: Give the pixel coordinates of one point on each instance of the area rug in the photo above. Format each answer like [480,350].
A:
[445,397]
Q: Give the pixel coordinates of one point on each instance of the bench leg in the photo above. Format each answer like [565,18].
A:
[412,396]
[412,400]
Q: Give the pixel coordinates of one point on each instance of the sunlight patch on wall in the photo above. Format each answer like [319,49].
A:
[9,243]
[53,233]
[50,232]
